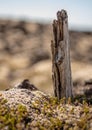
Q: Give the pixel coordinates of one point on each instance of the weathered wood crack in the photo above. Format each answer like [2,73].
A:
[61,69]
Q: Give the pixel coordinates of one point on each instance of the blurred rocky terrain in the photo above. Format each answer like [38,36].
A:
[25,53]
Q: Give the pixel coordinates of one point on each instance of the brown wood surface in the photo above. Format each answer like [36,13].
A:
[61,69]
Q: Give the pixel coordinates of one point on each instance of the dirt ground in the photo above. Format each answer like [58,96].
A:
[25,53]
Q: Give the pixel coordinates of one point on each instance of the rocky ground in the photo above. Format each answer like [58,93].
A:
[24,107]
[25,53]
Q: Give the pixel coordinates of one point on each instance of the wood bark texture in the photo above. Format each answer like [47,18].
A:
[61,69]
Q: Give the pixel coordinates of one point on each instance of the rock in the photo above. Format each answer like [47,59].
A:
[24,93]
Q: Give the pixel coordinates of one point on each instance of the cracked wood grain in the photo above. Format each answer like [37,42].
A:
[61,69]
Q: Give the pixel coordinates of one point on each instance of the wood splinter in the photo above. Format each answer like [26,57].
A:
[61,69]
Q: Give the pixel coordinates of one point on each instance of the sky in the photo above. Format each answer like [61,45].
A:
[79,11]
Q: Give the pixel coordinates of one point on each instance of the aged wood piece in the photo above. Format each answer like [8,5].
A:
[61,69]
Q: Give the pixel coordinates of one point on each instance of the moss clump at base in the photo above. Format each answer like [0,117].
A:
[12,118]
[47,113]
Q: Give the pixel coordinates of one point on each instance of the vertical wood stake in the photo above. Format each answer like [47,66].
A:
[61,69]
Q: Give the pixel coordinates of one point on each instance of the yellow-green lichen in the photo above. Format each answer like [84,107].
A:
[47,113]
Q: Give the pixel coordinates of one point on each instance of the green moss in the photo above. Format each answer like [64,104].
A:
[9,117]
[82,124]
[48,113]
[56,123]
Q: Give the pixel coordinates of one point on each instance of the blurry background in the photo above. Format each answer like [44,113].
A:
[25,38]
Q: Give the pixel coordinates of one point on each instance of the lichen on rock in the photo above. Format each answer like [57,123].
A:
[24,107]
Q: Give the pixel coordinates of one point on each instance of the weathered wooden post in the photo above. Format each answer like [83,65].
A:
[61,69]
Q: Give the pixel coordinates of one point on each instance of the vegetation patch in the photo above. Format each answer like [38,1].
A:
[48,113]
